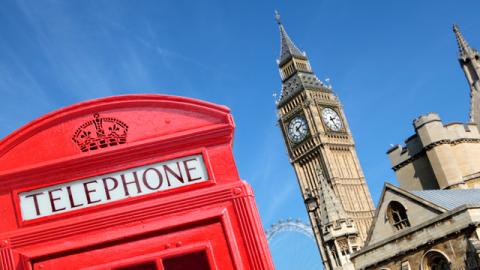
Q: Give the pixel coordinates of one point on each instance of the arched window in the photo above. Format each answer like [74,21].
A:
[397,215]
[434,260]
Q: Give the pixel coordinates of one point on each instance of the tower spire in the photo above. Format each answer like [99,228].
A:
[332,210]
[295,69]
[339,231]
[465,50]
[470,62]
[287,47]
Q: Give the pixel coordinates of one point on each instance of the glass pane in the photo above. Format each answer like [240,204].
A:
[192,261]
[140,266]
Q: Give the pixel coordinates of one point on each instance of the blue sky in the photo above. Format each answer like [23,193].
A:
[388,61]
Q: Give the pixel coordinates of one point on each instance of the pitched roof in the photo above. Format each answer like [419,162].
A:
[450,199]
[435,202]
[387,187]
[299,82]
[287,47]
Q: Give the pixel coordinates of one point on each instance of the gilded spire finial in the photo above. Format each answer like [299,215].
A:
[277,17]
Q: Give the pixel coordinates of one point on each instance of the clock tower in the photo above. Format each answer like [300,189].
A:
[322,152]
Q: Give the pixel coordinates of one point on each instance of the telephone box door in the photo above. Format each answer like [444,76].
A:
[199,248]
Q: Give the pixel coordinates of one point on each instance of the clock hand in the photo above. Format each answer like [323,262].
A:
[333,121]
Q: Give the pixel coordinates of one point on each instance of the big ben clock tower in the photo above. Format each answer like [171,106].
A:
[322,151]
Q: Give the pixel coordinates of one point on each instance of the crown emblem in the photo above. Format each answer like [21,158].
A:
[99,133]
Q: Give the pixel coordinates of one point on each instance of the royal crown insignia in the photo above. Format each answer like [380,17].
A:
[99,133]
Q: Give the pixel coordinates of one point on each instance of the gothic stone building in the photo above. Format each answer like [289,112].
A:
[444,156]
[438,156]
[433,220]
[420,230]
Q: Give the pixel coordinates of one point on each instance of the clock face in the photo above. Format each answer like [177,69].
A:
[297,129]
[331,119]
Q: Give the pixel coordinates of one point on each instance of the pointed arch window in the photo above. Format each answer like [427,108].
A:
[434,260]
[397,215]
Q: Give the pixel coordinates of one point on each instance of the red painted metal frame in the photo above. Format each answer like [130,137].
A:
[160,128]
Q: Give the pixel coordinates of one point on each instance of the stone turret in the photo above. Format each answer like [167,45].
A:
[438,155]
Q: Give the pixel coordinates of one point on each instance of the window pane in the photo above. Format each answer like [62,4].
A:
[192,261]
[141,266]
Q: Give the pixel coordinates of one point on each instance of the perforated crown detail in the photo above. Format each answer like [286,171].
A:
[101,132]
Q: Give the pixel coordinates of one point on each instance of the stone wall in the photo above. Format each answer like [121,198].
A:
[456,248]
[450,232]
[438,156]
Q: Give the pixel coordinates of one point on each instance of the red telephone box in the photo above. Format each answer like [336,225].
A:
[128,182]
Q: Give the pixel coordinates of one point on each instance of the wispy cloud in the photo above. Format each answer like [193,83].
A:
[283,194]
[271,183]
[74,67]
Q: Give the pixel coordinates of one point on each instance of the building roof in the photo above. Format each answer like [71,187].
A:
[287,47]
[439,205]
[299,82]
[301,79]
[451,198]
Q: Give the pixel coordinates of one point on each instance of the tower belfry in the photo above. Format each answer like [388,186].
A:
[470,63]
[322,151]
